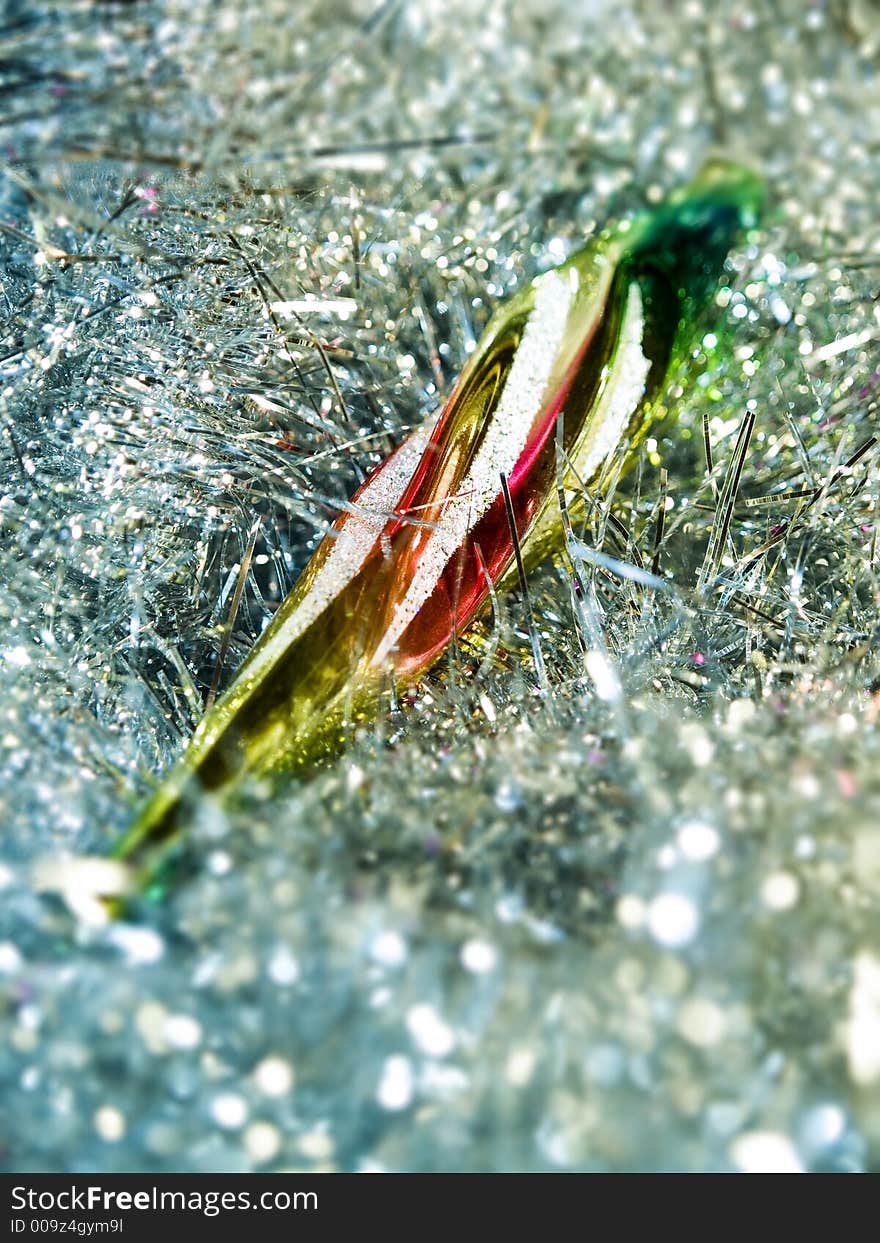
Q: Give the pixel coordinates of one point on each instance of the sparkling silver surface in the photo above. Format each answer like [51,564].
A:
[630,924]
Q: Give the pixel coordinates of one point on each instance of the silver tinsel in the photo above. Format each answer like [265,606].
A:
[626,921]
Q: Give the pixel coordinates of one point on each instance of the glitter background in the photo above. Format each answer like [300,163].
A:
[631,927]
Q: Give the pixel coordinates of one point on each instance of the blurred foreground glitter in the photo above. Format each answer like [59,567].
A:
[564,384]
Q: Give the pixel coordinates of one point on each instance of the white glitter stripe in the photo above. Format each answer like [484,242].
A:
[520,402]
[352,545]
[624,389]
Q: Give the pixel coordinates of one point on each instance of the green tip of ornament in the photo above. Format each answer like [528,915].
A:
[686,239]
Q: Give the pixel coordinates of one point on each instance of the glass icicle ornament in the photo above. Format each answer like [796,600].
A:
[410,561]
